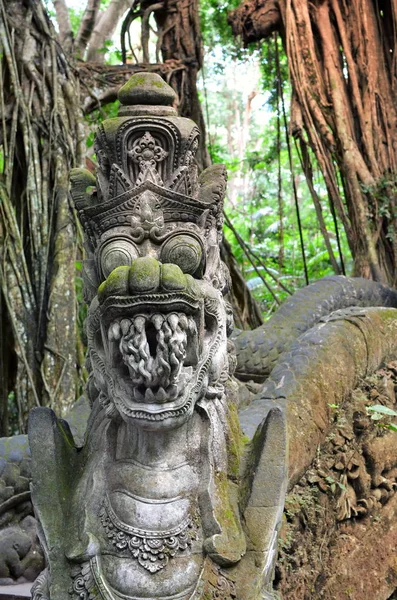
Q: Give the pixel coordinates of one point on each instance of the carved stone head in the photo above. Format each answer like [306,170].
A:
[153,276]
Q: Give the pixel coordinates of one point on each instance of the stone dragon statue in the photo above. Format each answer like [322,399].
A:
[168,494]
[151,505]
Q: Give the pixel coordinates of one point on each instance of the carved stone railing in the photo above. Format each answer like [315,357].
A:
[165,500]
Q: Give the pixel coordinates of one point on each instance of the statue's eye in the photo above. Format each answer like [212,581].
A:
[184,251]
[117,253]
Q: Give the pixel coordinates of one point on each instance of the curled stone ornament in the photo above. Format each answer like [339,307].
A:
[151,549]
[40,589]
[146,152]
[152,504]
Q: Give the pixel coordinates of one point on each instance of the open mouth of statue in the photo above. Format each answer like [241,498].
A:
[152,353]
[157,351]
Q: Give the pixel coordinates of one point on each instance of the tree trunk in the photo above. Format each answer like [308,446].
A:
[7,366]
[245,309]
[180,37]
[104,28]
[41,138]
[342,64]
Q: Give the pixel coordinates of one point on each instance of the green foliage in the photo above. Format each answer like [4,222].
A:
[97,116]
[378,411]
[75,16]
[270,76]
[241,103]
[333,483]
[214,27]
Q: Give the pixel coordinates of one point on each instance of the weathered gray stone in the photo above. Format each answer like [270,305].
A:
[153,504]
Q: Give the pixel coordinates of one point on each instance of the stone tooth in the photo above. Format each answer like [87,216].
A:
[139,323]
[183,322]
[149,396]
[192,325]
[125,326]
[172,391]
[157,321]
[161,395]
[114,332]
[138,396]
[173,320]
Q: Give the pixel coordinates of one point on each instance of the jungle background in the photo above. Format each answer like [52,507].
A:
[297,98]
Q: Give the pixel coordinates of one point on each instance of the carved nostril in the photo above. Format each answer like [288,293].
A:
[144,275]
[172,278]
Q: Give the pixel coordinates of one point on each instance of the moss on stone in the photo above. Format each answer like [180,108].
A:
[135,81]
[193,287]
[172,278]
[144,275]
[115,285]
[234,441]
[146,89]
[224,511]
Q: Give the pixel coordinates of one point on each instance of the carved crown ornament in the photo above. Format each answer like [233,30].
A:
[152,505]
[144,166]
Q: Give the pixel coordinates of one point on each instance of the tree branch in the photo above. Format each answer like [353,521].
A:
[65,28]
[132,14]
[255,19]
[145,29]
[87,26]
[104,29]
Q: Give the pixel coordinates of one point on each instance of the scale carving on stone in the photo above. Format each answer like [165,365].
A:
[165,499]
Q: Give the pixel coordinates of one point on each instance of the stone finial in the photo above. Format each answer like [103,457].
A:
[146,89]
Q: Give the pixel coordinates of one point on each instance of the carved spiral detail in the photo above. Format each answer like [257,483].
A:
[40,590]
[117,253]
[183,250]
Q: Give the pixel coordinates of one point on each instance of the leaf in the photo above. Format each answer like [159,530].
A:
[382,410]
[376,417]
[391,426]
